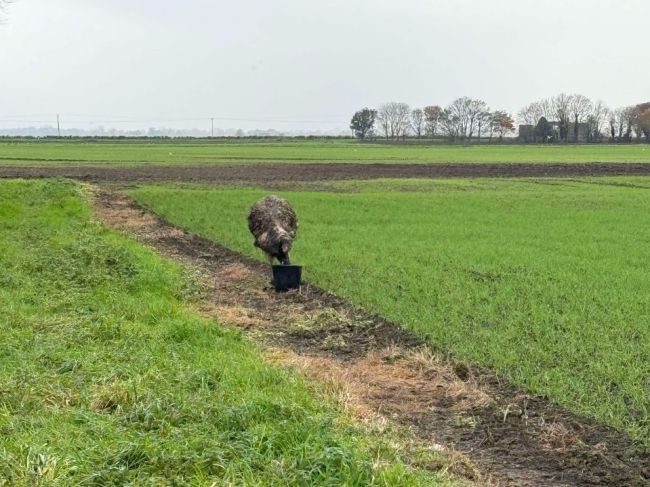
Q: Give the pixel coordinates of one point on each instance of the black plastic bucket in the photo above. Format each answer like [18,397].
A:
[286,277]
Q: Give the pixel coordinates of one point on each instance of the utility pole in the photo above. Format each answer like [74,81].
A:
[58,125]
[212,120]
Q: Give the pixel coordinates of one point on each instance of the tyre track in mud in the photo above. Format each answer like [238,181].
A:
[505,436]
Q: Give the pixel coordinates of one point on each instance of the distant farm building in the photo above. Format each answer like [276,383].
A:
[529,133]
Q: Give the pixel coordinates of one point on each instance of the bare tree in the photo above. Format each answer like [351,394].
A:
[528,115]
[483,122]
[463,117]
[611,124]
[393,119]
[531,114]
[631,118]
[616,124]
[562,111]
[493,123]
[597,119]
[417,122]
[456,118]
[546,107]
[644,122]
[580,107]
[433,115]
[477,111]
[501,123]
[449,124]
[629,115]
[641,122]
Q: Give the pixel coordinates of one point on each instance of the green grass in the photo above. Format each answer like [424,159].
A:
[545,281]
[107,376]
[202,152]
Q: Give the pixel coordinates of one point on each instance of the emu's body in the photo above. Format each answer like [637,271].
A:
[273,223]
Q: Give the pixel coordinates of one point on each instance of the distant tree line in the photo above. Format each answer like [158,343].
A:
[576,118]
[464,119]
[558,119]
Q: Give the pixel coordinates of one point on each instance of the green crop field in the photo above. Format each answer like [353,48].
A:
[108,376]
[218,152]
[546,281]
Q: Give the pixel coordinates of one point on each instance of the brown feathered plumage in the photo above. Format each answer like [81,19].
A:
[274,224]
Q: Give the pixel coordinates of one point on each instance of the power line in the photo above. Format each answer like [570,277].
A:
[174,118]
[114,119]
[25,121]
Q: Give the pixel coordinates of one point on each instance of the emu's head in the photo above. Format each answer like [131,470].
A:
[277,243]
[283,247]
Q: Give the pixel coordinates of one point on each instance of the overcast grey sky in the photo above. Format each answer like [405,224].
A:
[309,64]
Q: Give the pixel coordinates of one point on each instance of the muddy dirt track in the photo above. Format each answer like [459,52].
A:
[268,172]
[498,434]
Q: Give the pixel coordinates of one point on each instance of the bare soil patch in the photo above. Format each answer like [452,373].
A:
[504,436]
[271,172]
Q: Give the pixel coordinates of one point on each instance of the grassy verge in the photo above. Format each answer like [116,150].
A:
[139,152]
[107,377]
[545,281]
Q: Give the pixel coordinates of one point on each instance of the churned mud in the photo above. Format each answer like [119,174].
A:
[501,435]
[270,172]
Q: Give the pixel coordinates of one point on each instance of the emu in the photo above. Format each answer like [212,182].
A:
[273,223]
